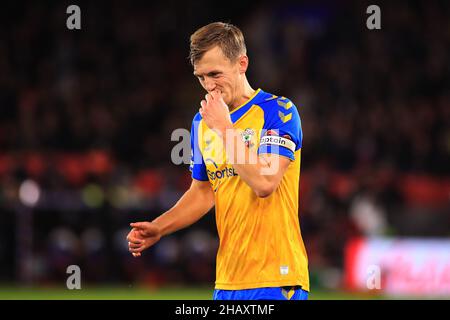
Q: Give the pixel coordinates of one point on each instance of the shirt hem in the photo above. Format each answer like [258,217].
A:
[265,284]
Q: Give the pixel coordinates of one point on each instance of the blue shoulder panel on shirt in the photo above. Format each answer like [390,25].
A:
[281,118]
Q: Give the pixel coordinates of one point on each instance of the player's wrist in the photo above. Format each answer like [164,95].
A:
[160,227]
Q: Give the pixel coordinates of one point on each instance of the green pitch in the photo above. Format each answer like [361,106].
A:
[133,293]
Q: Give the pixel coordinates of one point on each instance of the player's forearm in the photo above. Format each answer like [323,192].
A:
[254,170]
[190,208]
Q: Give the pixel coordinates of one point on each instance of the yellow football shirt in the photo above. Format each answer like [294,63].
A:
[260,238]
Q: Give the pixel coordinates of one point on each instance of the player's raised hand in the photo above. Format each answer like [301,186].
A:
[142,236]
[215,112]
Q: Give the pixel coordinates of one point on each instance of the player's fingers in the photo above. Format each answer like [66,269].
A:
[134,245]
[142,233]
[129,235]
[202,113]
[132,249]
[140,249]
[217,94]
[139,225]
[133,230]
[202,110]
[134,240]
[150,231]
[203,103]
[136,254]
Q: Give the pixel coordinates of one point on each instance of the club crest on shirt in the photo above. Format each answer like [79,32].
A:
[247,136]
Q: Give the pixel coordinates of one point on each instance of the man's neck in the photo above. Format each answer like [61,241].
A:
[243,97]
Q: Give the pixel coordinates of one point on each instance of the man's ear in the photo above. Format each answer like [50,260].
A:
[243,63]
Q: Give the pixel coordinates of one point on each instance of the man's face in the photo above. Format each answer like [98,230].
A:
[215,71]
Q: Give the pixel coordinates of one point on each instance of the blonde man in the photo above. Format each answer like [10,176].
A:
[246,147]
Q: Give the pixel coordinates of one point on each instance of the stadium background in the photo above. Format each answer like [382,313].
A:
[86,118]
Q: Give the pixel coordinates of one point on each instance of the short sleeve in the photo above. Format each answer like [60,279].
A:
[282,130]
[197,165]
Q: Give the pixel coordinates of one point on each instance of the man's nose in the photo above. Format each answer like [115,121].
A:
[210,85]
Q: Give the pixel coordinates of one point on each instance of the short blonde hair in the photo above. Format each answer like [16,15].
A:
[225,35]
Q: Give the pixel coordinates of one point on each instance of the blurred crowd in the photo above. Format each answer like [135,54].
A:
[87,115]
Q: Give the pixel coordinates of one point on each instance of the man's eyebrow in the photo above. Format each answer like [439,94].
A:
[214,72]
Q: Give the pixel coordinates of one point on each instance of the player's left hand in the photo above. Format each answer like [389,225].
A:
[215,112]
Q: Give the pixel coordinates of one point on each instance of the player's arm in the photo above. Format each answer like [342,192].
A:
[193,205]
[262,173]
